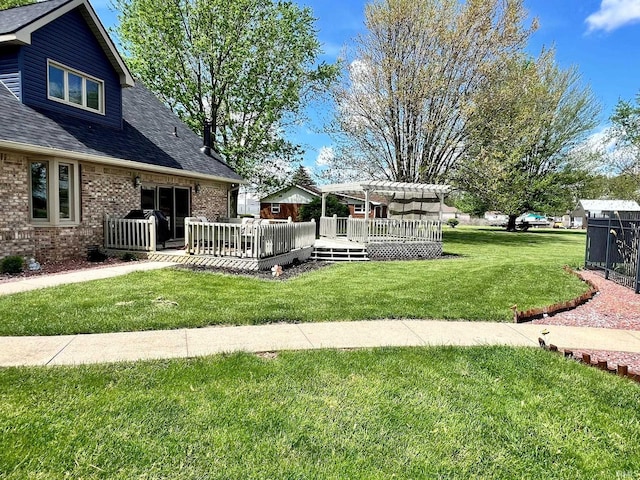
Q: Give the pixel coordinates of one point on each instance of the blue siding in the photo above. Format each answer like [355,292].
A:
[69,41]
[10,69]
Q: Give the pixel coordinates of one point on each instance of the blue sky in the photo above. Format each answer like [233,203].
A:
[600,37]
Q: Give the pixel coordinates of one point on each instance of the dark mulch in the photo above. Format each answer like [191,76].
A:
[288,271]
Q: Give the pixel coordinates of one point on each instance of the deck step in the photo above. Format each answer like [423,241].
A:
[340,254]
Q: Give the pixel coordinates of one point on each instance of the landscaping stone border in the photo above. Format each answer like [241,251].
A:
[534,313]
[620,370]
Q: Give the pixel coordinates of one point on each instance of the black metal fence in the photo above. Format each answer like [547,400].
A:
[613,245]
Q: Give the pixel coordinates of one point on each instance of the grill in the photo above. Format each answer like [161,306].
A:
[163,233]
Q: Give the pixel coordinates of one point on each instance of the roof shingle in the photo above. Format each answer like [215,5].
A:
[13,19]
[151,134]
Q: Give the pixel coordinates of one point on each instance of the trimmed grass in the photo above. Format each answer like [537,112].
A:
[371,414]
[492,271]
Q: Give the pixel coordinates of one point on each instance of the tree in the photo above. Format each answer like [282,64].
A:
[301,177]
[313,209]
[5,4]
[526,124]
[402,107]
[625,134]
[247,66]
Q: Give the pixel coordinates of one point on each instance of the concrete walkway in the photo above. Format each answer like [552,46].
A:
[131,346]
[43,281]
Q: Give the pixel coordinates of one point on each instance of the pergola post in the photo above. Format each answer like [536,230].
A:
[441,197]
[366,216]
[324,204]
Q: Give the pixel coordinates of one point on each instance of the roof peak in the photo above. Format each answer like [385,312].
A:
[18,23]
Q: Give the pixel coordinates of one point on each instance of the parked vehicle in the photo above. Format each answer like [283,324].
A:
[528,220]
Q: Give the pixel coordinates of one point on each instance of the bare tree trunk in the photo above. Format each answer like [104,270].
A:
[511,225]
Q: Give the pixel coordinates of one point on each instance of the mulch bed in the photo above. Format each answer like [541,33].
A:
[288,271]
[614,306]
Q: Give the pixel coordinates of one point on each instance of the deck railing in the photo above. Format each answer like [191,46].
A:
[250,240]
[333,227]
[130,234]
[381,229]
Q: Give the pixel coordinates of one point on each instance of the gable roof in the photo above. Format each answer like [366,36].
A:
[18,23]
[609,205]
[311,190]
[147,137]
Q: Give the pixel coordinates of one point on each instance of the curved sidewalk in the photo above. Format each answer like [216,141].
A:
[77,276]
[132,346]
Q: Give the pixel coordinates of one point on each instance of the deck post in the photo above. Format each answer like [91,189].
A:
[187,235]
[152,233]
[366,216]
[324,205]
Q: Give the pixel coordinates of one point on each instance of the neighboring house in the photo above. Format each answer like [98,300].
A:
[599,208]
[287,201]
[377,206]
[80,139]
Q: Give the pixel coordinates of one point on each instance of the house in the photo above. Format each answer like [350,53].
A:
[287,201]
[81,139]
[599,208]
[356,204]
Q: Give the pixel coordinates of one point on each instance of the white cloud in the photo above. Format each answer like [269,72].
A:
[614,14]
[325,158]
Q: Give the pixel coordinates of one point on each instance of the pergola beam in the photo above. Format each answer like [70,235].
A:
[380,186]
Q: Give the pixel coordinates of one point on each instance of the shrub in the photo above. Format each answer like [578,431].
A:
[452,222]
[94,254]
[128,257]
[12,264]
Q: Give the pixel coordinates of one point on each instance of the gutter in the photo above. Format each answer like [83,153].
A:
[116,162]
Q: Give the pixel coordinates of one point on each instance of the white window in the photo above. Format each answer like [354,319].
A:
[74,88]
[275,208]
[358,208]
[54,192]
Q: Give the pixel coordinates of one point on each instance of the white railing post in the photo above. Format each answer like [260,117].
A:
[187,235]
[152,233]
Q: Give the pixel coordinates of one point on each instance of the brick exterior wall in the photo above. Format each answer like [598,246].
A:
[105,190]
[210,201]
[286,210]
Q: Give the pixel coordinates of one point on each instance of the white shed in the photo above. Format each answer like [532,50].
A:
[598,208]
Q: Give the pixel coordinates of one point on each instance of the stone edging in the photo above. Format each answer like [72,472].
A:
[621,370]
[535,313]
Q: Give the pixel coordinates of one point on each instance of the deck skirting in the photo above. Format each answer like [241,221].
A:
[300,255]
[404,250]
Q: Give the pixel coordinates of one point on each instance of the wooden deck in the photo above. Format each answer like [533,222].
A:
[180,256]
[258,246]
[339,250]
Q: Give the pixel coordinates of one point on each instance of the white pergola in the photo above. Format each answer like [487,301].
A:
[383,187]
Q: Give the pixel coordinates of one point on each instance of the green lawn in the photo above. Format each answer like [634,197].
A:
[492,271]
[371,414]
